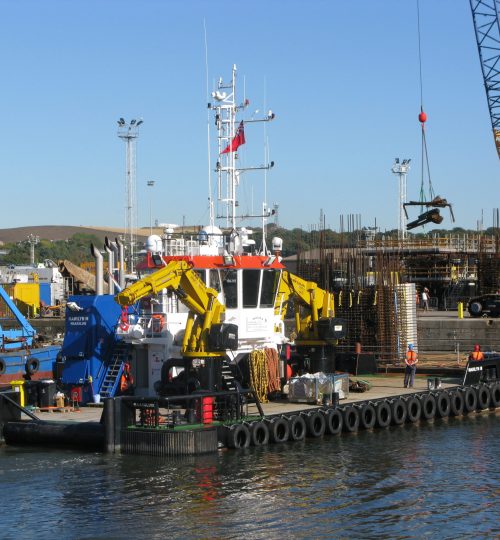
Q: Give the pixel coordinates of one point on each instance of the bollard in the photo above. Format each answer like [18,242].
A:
[460,307]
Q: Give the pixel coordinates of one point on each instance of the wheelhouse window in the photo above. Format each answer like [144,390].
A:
[229,287]
[251,280]
[214,280]
[270,280]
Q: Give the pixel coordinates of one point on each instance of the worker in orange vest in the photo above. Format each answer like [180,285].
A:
[477,354]
[126,380]
[411,366]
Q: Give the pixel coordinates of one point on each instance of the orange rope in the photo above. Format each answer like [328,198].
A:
[273,384]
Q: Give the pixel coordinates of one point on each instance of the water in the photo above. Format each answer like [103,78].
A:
[426,480]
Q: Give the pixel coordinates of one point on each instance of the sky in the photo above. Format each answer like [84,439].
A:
[342,78]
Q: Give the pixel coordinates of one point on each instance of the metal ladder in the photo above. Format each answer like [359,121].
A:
[113,372]
[227,376]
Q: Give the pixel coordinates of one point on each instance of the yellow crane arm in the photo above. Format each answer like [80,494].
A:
[178,276]
[202,302]
[318,303]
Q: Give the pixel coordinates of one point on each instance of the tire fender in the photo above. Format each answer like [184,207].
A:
[334,421]
[32,366]
[351,419]
[238,436]
[398,411]
[428,402]
[315,423]
[495,395]
[367,416]
[259,433]
[470,399]
[483,397]
[443,404]
[456,403]
[297,427]
[279,430]
[413,409]
[384,415]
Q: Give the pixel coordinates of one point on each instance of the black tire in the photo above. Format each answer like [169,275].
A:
[483,397]
[413,409]
[428,402]
[470,399]
[3,366]
[238,436]
[333,421]
[443,404]
[384,414]
[259,433]
[350,416]
[367,416]
[315,423]
[279,430]
[475,309]
[32,366]
[495,395]
[398,411]
[297,427]
[456,403]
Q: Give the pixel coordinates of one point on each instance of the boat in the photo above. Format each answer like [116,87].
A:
[206,305]
[22,355]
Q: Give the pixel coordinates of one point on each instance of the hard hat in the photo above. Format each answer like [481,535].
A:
[410,346]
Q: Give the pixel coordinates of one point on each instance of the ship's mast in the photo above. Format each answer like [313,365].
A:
[230,137]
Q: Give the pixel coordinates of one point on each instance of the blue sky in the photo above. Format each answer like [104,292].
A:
[342,78]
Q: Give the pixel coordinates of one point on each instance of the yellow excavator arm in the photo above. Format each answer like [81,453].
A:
[205,310]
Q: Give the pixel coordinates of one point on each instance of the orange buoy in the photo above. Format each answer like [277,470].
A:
[422,117]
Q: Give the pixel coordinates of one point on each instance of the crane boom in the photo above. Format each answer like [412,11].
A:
[205,310]
[486,18]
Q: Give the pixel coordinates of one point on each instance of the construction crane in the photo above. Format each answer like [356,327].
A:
[486,17]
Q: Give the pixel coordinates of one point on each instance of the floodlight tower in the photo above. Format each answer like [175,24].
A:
[129,132]
[401,170]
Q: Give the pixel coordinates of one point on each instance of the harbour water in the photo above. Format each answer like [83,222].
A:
[436,478]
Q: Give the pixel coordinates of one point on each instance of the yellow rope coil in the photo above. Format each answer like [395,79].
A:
[258,374]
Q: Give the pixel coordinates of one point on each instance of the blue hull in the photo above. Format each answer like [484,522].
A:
[40,362]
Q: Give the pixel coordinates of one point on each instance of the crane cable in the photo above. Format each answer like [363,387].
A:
[423,118]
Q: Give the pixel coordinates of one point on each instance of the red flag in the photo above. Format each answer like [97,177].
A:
[238,140]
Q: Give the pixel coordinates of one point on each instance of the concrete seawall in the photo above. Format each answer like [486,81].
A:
[444,332]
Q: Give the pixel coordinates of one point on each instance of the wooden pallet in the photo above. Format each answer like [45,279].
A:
[65,409]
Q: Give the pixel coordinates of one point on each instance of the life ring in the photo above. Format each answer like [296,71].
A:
[398,410]
[238,436]
[315,423]
[428,402]
[470,399]
[483,397]
[333,421]
[3,366]
[279,430]
[456,403]
[443,404]
[297,427]
[384,416]
[32,366]
[259,433]
[351,419]
[413,409]
[367,416]
[495,395]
